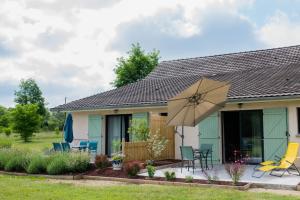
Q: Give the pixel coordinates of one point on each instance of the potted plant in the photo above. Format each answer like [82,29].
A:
[117,156]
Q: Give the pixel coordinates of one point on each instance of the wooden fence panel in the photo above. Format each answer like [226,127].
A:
[138,150]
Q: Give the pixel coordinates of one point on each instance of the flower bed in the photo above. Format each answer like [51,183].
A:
[110,174]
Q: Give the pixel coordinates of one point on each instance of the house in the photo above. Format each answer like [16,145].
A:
[261,115]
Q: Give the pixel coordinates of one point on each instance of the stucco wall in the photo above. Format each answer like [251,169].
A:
[191,133]
[191,138]
[80,128]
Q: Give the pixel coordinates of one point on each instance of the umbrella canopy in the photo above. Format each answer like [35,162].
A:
[68,129]
[197,102]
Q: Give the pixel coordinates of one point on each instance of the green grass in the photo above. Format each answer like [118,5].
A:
[14,188]
[39,142]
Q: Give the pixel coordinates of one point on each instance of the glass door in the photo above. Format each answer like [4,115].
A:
[116,129]
[251,134]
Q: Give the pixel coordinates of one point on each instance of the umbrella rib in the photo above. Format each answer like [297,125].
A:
[185,114]
[198,86]
[201,92]
[216,104]
[216,88]
[177,113]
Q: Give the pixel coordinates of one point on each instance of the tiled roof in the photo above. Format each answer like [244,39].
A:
[227,62]
[274,81]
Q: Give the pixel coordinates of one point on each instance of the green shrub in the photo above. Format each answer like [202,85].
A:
[56,130]
[1,129]
[5,155]
[7,131]
[170,176]
[151,171]
[58,164]
[132,168]
[79,162]
[17,162]
[37,165]
[101,161]
[5,143]
[189,179]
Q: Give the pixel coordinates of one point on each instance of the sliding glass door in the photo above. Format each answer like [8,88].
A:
[116,129]
[251,133]
[243,135]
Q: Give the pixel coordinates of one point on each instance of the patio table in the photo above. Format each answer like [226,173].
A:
[203,154]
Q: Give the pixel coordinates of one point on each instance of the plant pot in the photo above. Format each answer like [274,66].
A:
[117,164]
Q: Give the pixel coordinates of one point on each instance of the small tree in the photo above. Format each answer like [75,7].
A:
[155,145]
[137,66]
[30,93]
[139,130]
[26,120]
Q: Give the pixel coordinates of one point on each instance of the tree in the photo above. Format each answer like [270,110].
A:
[137,66]
[30,93]
[4,117]
[26,120]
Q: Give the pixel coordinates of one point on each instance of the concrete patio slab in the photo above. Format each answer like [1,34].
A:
[287,180]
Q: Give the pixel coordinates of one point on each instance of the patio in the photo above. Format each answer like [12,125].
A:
[287,181]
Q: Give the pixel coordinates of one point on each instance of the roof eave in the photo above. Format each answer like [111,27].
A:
[163,104]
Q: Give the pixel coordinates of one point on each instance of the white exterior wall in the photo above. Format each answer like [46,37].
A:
[191,133]
[191,138]
[80,128]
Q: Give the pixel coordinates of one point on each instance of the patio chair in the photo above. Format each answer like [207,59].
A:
[57,146]
[187,154]
[286,163]
[92,146]
[65,146]
[206,150]
[83,144]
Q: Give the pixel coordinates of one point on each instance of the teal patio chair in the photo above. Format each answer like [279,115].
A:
[83,144]
[206,151]
[65,146]
[57,147]
[92,146]
[187,155]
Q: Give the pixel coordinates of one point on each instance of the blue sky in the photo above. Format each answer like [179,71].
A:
[70,47]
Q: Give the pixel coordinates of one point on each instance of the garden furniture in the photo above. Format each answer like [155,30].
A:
[187,154]
[286,163]
[57,146]
[65,146]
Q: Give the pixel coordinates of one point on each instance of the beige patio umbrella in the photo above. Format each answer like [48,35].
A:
[196,103]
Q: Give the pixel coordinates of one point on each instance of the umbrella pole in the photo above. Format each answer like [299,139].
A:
[182,135]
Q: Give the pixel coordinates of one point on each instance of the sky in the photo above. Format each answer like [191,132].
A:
[70,47]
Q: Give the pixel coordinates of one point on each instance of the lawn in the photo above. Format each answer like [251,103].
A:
[38,188]
[39,142]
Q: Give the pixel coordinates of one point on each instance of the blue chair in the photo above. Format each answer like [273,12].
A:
[83,145]
[57,146]
[65,146]
[92,146]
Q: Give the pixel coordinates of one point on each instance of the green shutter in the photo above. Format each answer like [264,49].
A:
[94,129]
[275,132]
[209,133]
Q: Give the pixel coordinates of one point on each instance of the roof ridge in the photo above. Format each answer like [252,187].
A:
[226,54]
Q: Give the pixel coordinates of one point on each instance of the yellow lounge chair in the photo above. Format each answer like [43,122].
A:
[285,164]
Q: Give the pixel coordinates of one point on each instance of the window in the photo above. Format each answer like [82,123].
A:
[298,117]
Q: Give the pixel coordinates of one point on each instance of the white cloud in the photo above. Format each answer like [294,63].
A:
[64,44]
[280,30]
